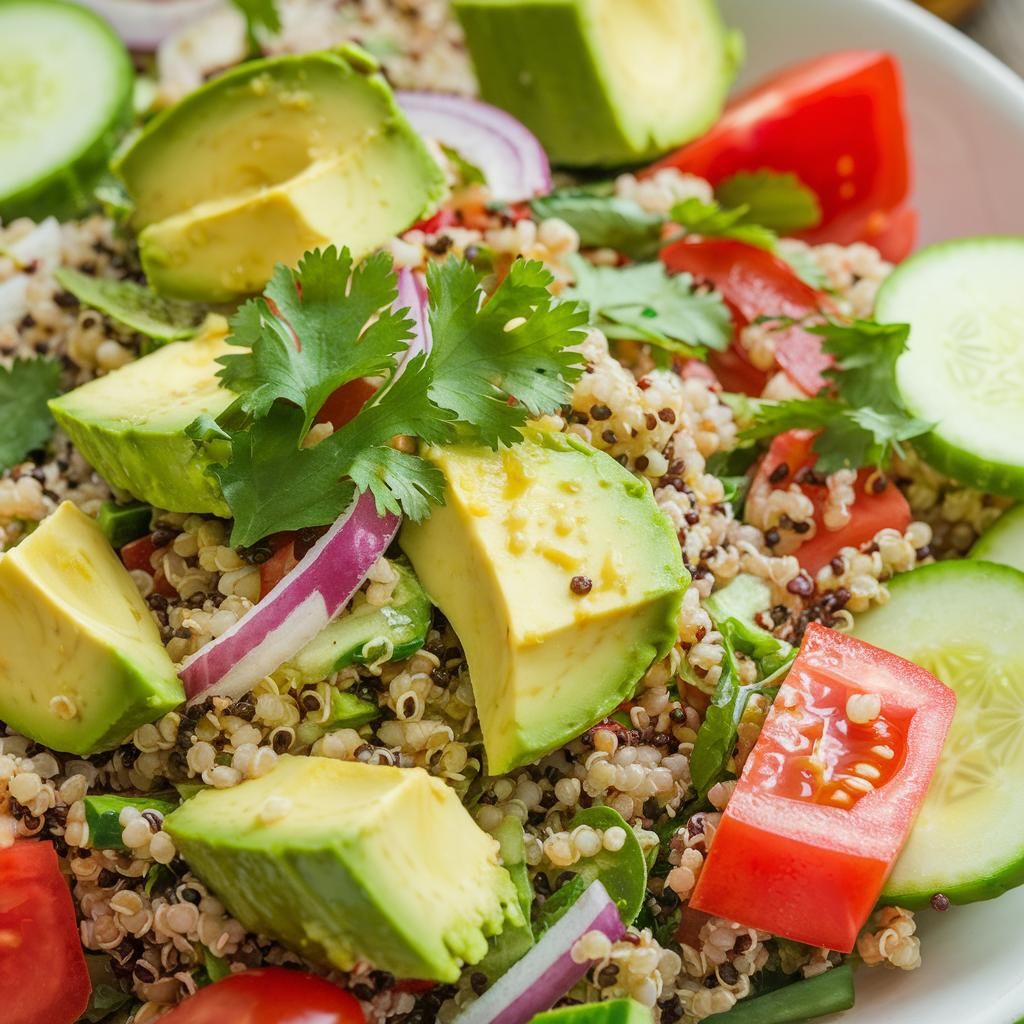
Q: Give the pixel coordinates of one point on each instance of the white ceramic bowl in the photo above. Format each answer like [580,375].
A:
[967,125]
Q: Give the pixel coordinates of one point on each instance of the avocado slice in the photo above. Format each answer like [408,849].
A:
[130,424]
[612,1011]
[364,862]
[81,660]
[271,159]
[602,82]
[499,558]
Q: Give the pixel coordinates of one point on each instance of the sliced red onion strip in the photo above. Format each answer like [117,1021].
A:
[145,24]
[322,583]
[548,971]
[506,151]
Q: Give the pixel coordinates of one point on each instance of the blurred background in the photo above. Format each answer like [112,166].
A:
[997,24]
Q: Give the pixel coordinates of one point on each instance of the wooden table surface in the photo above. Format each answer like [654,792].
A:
[999,25]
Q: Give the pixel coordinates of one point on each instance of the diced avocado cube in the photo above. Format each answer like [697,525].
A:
[562,579]
[612,1011]
[103,815]
[342,861]
[130,424]
[271,159]
[121,524]
[368,633]
[602,82]
[82,664]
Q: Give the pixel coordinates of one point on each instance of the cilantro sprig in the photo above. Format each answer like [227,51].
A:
[865,421]
[492,365]
[26,423]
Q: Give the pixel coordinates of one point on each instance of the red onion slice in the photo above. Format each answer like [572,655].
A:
[145,24]
[322,583]
[506,151]
[548,971]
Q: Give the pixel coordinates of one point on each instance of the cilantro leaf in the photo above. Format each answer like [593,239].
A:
[497,364]
[805,266]
[262,18]
[711,220]
[26,423]
[644,302]
[307,335]
[866,421]
[134,305]
[780,202]
[466,172]
[604,221]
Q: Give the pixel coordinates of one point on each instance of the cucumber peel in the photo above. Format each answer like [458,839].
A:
[67,82]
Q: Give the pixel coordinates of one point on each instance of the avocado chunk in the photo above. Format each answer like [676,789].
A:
[81,660]
[508,558]
[612,1011]
[367,634]
[352,861]
[271,159]
[601,82]
[130,424]
[103,815]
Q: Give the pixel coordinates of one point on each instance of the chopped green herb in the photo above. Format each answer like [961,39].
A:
[262,19]
[710,220]
[26,423]
[780,202]
[604,221]
[468,173]
[644,302]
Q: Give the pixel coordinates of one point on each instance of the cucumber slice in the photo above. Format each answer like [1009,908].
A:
[964,364]
[103,815]
[1003,541]
[66,81]
[961,621]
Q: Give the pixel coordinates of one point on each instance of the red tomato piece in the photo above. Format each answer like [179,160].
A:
[279,564]
[345,403]
[43,976]
[754,283]
[826,800]
[138,554]
[837,123]
[270,995]
[872,510]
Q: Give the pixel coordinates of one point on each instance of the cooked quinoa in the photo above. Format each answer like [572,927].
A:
[144,910]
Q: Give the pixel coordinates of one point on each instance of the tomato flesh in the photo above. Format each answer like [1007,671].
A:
[790,856]
[756,283]
[786,463]
[270,995]
[43,975]
[344,404]
[838,124]
[138,555]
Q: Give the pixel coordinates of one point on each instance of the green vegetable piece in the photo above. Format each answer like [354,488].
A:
[779,202]
[67,85]
[1003,542]
[134,305]
[26,423]
[710,220]
[827,993]
[604,222]
[559,902]
[216,966]
[611,1011]
[347,711]
[262,22]
[569,72]
[515,941]
[188,789]
[107,995]
[102,814]
[123,523]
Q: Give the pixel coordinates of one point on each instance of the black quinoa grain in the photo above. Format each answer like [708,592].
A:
[162,536]
[692,518]
[106,879]
[607,975]
[608,436]
[144,973]
[364,991]
[478,982]
[155,819]
[801,527]
[801,585]
[666,416]
[642,463]
[728,973]
[940,902]
[772,537]
[244,709]
[879,483]
[600,412]
[779,473]
[651,421]
[183,633]
[581,585]
[838,565]
[190,895]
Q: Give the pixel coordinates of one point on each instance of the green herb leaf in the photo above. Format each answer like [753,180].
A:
[644,302]
[26,423]
[134,305]
[467,173]
[262,19]
[780,202]
[805,266]
[311,332]
[604,221]
[710,220]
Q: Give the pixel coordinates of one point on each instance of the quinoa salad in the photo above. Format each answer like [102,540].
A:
[437,588]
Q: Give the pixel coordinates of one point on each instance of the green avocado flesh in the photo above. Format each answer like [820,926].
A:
[602,82]
[130,424]
[352,861]
[81,660]
[613,1011]
[961,621]
[66,82]
[498,558]
[271,159]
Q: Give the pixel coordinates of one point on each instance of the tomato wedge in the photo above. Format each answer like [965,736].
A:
[270,995]
[838,123]
[43,975]
[138,554]
[787,462]
[756,283]
[829,793]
